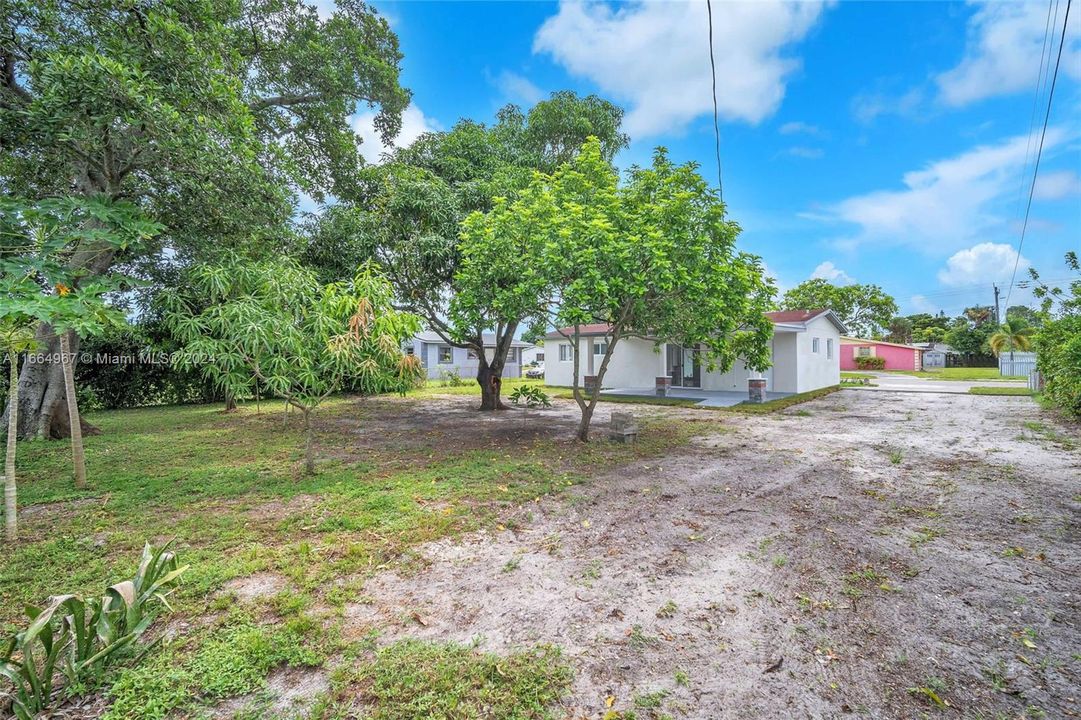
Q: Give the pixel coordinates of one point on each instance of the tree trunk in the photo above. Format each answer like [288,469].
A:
[309,449]
[230,402]
[583,424]
[77,457]
[491,384]
[11,522]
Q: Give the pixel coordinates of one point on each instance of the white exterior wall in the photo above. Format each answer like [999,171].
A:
[786,362]
[817,370]
[634,364]
[562,373]
[734,379]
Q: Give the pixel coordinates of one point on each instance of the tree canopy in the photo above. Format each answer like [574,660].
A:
[651,258]
[866,310]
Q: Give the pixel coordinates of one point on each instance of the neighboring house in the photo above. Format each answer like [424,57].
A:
[805,348]
[438,357]
[897,356]
[532,354]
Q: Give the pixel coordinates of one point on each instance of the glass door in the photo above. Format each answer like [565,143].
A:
[683,366]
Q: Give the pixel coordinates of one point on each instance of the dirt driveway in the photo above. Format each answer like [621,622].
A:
[877,554]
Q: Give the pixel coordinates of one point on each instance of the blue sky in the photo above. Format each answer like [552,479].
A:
[861,141]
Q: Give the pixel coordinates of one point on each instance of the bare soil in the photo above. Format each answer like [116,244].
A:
[881,554]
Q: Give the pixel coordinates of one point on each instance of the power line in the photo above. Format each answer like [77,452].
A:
[716,122]
[1041,82]
[1039,150]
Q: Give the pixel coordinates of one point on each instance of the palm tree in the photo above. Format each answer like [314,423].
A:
[1014,334]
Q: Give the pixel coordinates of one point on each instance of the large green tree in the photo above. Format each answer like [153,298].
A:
[408,214]
[651,258]
[865,310]
[210,114]
[1058,341]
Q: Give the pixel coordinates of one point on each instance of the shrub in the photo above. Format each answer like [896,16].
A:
[871,363]
[531,395]
[1058,356]
[80,637]
[451,378]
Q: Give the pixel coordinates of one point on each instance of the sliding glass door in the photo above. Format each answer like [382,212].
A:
[683,366]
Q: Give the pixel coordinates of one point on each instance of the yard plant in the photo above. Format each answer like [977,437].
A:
[272,326]
[76,638]
[530,396]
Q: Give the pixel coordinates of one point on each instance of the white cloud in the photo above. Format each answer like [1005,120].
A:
[981,264]
[518,88]
[414,124]
[947,204]
[809,153]
[655,56]
[797,126]
[1057,185]
[1002,54]
[828,271]
[922,305]
[868,106]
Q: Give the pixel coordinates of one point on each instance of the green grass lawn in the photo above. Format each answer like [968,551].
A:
[228,490]
[960,374]
[999,391]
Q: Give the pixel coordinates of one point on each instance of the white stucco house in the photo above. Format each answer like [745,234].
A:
[805,346]
[438,356]
[532,354]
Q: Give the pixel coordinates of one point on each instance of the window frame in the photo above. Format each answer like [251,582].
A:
[566,353]
[439,355]
[597,344]
[816,345]
[829,348]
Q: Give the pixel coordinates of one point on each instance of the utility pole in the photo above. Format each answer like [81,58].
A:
[998,318]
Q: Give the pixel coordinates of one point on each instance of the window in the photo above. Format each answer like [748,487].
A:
[409,350]
[471,354]
[565,353]
[814,345]
[829,348]
[600,348]
[512,355]
[864,352]
[540,357]
[446,355]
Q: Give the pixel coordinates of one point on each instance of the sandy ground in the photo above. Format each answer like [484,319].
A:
[875,554]
[890,382]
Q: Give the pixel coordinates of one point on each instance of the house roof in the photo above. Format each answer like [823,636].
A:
[430,336]
[781,317]
[845,340]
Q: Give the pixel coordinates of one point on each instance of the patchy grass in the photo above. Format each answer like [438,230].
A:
[961,374]
[999,391]
[468,386]
[412,679]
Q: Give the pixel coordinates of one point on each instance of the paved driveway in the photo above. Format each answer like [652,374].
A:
[896,382]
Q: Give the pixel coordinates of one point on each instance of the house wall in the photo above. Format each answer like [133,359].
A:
[897,358]
[634,363]
[785,370]
[821,369]
[461,363]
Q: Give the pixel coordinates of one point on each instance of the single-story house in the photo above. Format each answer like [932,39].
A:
[438,356]
[805,349]
[897,356]
[532,354]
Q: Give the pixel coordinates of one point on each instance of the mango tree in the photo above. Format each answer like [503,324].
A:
[212,116]
[272,323]
[408,214]
[652,258]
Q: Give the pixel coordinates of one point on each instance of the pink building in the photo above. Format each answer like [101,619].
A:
[898,357]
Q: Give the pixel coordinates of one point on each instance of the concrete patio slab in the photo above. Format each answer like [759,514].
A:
[708,398]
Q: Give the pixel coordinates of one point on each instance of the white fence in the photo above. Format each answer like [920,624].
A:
[1018,363]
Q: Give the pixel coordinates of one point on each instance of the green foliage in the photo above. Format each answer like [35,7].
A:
[1014,334]
[865,310]
[970,337]
[871,362]
[653,257]
[413,680]
[451,378]
[531,395]
[1058,342]
[80,637]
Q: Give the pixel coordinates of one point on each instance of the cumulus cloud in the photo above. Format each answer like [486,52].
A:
[981,264]
[414,124]
[517,88]
[867,107]
[946,204]
[1002,53]
[654,56]
[921,304]
[828,271]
